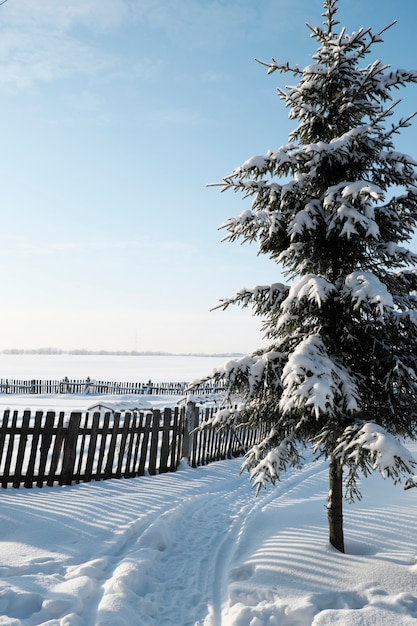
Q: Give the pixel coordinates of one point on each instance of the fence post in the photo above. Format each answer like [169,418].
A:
[70,449]
[191,423]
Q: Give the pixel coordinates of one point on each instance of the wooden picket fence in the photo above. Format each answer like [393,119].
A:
[210,444]
[89,386]
[49,448]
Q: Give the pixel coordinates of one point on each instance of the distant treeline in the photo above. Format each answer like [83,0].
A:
[82,351]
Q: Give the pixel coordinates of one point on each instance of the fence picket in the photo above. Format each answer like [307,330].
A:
[139,434]
[3,430]
[46,441]
[12,431]
[163,463]
[69,456]
[102,449]
[154,442]
[130,439]
[77,470]
[92,445]
[130,444]
[122,445]
[177,440]
[36,431]
[21,449]
[57,446]
[145,444]
[108,471]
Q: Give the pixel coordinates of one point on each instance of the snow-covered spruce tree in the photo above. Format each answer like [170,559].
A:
[333,207]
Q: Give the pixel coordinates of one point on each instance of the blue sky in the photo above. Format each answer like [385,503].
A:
[115,115]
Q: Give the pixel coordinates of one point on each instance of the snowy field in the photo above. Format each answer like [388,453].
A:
[198,548]
[104,368]
[140,369]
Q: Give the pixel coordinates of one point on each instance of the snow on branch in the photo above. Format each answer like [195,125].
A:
[408,278]
[364,288]
[266,460]
[402,166]
[247,375]
[370,444]
[338,150]
[361,188]
[314,288]
[353,202]
[273,66]
[399,77]
[305,220]
[403,372]
[263,295]
[398,126]
[397,253]
[313,380]
[247,224]
[261,164]
[311,290]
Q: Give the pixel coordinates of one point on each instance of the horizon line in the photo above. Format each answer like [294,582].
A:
[86,352]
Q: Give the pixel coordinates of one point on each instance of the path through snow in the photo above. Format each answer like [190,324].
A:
[196,548]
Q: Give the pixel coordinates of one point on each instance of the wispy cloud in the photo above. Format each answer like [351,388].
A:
[47,40]
[97,15]
[28,58]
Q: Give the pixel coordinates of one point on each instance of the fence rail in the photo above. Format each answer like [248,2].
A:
[47,447]
[89,386]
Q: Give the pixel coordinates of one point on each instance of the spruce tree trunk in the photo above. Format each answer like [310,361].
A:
[335,505]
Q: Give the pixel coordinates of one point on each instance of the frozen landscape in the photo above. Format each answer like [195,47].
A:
[197,548]
[335,208]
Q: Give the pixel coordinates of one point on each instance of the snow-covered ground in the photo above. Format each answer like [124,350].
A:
[198,548]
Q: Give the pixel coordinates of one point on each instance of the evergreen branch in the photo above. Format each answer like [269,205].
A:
[381,32]
[402,123]
[266,295]
[284,67]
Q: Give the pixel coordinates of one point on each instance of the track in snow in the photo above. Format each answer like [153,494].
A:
[165,553]
[179,565]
